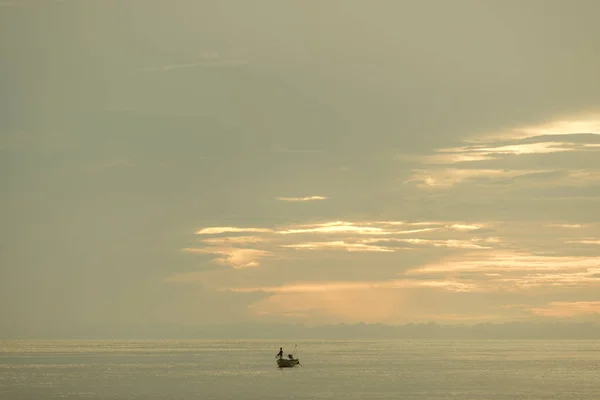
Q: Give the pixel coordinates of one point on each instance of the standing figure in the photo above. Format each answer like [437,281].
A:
[280,354]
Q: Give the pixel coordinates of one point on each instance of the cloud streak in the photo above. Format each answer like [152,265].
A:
[567,226]
[449,243]
[509,261]
[207,60]
[333,286]
[338,245]
[235,240]
[563,309]
[511,271]
[448,177]
[582,124]
[230,229]
[301,199]
[336,227]
[488,152]
[585,241]
[237,258]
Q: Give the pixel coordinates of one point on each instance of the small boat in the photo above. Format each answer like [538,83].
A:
[287,363]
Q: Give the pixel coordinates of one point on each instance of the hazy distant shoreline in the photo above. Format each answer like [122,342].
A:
[514,330]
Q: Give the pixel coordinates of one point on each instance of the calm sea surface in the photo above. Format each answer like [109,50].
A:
[403,369]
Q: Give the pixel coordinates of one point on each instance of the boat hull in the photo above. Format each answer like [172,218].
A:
[283,363]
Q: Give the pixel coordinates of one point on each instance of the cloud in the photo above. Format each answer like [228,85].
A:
[372,228]
[465,227]
[508,261]
[582,124]
[567,226]
[244,247]
[512,271]
[410,231]
[562,309]
[550,160]
[449,177]
[490,151]
[442,178]
[449,243]
[332,286]
[335,227]
[230,229]
[350,227]
[493,159]
[513,260]
[358,236]
[583,177]
[338,245]
[583,278]
[466,154]
[231,240]
[207,60]
[310,198]
[232,256]
[585,241]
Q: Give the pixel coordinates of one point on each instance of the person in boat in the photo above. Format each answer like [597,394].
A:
[280,354]
[290,356]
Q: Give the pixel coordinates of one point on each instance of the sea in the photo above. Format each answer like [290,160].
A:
[343,369]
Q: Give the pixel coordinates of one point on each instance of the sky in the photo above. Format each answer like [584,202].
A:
[188,163]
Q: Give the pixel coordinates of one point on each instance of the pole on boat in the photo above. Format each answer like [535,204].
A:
[294,354]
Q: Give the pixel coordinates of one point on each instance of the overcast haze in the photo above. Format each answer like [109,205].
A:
[197,162]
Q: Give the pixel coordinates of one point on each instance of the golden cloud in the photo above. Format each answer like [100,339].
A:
[233,256]
[562,309]
[297,199]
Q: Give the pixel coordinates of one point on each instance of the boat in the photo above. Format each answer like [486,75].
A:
[287,363]
[290,361]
